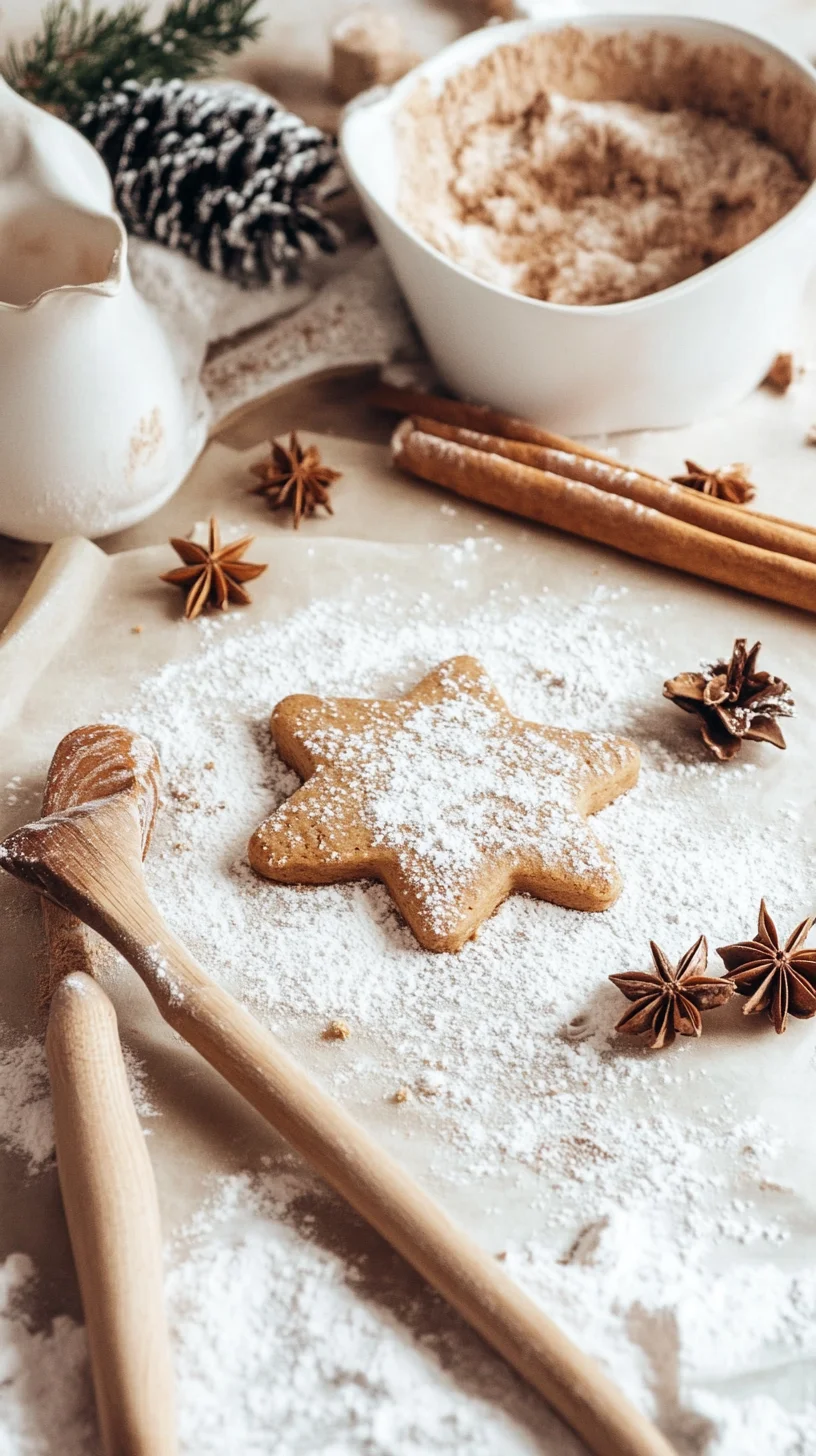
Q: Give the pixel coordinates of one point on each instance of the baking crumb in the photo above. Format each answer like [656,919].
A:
[137,630]
[766,1185]
[401,1095]
[182,796]
[780,375]
[210,764]
[502,1255]
[337,1031]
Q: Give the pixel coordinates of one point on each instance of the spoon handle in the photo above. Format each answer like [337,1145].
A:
[109,1196]
[256,1065]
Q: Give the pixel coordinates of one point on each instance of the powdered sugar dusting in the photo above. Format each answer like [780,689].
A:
[315,1350]
[26,1119]
[26,1115]
[643,1188]
[658,1206]
[45,1388]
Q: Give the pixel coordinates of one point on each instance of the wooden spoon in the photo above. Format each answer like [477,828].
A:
[106,1179]
[89,861]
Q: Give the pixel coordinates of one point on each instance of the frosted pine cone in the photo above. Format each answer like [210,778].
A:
[219,172]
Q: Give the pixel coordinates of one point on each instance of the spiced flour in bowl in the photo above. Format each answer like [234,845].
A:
[584,201]
[606,227]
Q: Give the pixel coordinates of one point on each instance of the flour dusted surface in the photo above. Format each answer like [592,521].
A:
[649,1202]
[644,1187]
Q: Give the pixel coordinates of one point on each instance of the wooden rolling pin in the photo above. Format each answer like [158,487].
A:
[109,1196]
[106,1179]
[90,862]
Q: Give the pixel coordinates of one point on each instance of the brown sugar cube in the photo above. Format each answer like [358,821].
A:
[368,49]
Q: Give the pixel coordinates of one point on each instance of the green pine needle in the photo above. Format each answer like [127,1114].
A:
[78,51]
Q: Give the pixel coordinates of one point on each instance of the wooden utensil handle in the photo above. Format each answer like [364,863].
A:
[254,1063]
[113,1219]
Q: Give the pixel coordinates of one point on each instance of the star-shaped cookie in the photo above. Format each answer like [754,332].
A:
[446,797]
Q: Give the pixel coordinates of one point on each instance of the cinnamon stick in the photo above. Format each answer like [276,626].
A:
[727,505]
[584,510]
[476,417]
[672,500]
[488,421]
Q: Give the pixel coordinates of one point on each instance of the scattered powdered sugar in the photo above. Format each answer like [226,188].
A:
[26,1117]
[26,1120]
[45,1392]
[138,1084]
[454,785]
[290,1341]
[663,1174]
[156,965]
[658,1206]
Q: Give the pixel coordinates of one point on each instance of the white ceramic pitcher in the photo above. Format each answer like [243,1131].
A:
[96,427]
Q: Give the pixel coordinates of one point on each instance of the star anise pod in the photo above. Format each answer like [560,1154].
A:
[734,701]
[671,1000]
[294,476]
[730,483]
[779,979]
[212,575]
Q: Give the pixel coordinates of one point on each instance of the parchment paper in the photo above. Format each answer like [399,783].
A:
[205,1129]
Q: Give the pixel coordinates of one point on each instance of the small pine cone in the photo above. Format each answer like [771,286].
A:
[220,173]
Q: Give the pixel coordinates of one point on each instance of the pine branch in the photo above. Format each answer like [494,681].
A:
[80,52]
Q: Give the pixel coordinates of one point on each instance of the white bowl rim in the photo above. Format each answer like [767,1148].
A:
[392,96]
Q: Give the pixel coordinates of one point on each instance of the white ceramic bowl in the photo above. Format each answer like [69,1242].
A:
[691,350]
